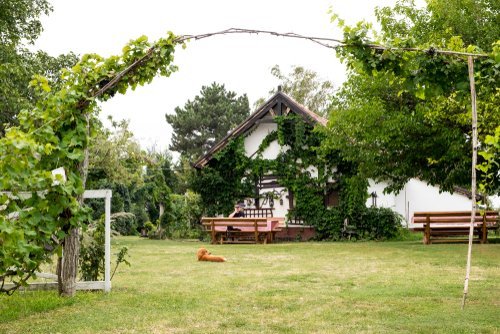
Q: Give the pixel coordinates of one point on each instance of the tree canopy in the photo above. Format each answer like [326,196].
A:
[19,19]
[206,119]
[20,24]
[405,114]
[304,86]
[476,22]
[17,68]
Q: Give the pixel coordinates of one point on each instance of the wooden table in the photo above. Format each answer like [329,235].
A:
[242,230]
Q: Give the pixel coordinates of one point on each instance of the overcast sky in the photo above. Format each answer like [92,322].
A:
[241,62]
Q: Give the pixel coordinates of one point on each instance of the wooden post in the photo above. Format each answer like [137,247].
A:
[256,227]
[427,231]
[213,232]
[107,242]
[484,229]
[470,62]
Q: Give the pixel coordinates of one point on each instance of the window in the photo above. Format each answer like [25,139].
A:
[332,196]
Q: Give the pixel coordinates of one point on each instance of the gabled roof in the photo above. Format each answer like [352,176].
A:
[279,104]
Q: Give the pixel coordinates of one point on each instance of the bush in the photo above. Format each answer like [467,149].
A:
[364,224]
[148,227]
[124,223]
[92,253]
[329,227]
[156,231]
[189,233]
[378,224]
[141,215]
[185,216]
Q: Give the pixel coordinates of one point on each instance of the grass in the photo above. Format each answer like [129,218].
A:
[364,287]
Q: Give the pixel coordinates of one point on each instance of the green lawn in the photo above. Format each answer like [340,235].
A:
[364,287]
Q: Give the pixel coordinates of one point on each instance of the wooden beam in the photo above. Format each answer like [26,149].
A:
[90,285]
[101,193]
[265,120]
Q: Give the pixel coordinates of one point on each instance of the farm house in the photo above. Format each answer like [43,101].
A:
[285,174]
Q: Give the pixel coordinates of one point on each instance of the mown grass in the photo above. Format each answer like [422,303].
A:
[363,287]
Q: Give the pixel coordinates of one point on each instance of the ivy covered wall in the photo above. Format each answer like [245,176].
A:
[305,168]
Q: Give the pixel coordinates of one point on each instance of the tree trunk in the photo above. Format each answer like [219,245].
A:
[58,272]
[68,271]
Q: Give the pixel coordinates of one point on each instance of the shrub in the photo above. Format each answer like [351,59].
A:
[378,224]
[329,227]
[156,232]
[185,216]
[148,227]
[92,253]
[141,215]
[124,223]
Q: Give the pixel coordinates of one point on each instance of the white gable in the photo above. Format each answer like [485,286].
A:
[255,138]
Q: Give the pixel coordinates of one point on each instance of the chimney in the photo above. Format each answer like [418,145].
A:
[279,88]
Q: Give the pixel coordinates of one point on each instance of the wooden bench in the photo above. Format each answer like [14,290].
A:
[445,226]
[244,230]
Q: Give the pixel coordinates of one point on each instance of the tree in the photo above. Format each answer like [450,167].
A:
[305,87]
[406,114]
[168,171]
[491,164]
[476,22]
[206,120]
[19,24]
[156,191]
[224,180]
[116,162]
[19,19]
[115,156]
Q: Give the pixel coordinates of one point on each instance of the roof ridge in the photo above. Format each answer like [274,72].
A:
[250,122]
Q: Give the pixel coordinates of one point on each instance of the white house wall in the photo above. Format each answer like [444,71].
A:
[255,138]
[279,210]
[421,197]
[418,196]
[383,200]
[252,143]
[495,202]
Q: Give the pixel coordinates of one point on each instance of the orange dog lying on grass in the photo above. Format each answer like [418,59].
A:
[204,255]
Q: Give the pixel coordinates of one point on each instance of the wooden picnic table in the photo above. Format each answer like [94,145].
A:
[243,229]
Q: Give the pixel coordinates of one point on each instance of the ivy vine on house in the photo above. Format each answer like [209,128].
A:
[275,158]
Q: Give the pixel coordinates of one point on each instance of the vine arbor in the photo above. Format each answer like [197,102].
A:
[57,131]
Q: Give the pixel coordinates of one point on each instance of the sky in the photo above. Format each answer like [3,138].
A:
[241,62]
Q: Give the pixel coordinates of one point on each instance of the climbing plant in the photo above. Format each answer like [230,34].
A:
[490,167]
[402,114]
[224,180]
[40,214]
[305,168]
